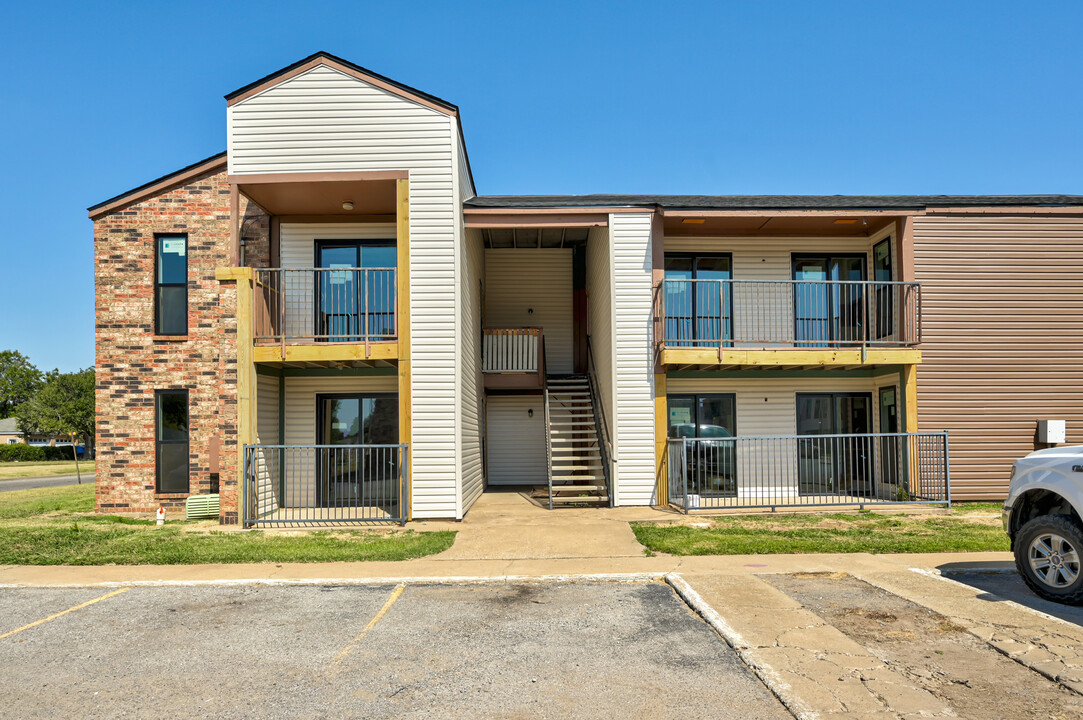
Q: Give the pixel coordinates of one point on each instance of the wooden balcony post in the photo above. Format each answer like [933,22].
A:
[402,314]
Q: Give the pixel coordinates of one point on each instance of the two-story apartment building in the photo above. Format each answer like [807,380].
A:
[326,323]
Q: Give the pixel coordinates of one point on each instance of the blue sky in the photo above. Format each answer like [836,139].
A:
[578,97]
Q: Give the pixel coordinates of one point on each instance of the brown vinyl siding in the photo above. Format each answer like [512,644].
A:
[1002,316]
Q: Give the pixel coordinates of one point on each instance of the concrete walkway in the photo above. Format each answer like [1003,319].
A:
[509,526]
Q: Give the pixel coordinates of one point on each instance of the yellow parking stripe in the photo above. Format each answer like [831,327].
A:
[372,623]
[63,612]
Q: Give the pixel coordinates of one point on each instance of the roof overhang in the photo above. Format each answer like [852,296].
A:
[322,194]
[347,68]
[779,223]
[569,217]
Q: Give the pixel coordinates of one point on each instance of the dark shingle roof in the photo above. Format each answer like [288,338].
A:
[773,202]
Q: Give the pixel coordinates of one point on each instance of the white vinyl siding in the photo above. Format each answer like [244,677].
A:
[517,281]
[267,484]
[471,388]
[326,121]
[630,237]
[600,309]
[516,441]
[300,422]
[768,407]
[771,259]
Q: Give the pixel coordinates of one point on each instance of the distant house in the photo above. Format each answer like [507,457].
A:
[10,434]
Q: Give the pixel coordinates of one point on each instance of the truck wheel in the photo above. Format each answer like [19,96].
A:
[1048,554]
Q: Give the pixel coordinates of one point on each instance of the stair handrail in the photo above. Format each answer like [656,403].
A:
[548,435]
[605,445]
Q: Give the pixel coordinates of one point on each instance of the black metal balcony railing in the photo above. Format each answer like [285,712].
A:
[312,305]
[325,484]
[808,470]
[788,313]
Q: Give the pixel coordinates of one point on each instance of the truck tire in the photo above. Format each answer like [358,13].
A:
[1049,557]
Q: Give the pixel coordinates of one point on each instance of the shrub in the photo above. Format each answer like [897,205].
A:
[21,453]
[58,453]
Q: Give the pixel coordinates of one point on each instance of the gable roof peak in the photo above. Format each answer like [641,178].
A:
[322,57]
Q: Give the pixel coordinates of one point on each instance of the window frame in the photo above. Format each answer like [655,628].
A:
[158,441]
[695,397]
[158,239]
[726,331]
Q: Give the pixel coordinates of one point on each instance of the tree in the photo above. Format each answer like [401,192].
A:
[19,380]
[63,405]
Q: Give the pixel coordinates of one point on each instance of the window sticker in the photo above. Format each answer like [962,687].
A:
[339,277]
[173,247]
[680,415]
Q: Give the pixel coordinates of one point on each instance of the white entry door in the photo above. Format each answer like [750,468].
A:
[515,440]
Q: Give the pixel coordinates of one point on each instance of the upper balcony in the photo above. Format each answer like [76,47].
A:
[787,323]
[320,315]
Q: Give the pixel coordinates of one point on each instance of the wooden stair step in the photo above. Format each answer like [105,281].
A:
[581,499]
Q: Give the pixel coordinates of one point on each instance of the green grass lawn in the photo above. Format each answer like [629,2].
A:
[56,526]
[829,533]
[16,470]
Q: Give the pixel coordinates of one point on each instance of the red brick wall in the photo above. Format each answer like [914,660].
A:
[132,363]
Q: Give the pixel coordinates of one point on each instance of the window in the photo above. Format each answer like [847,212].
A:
[356,301]
[12,441]
[885,294]
[698,302]
[711,463]
[171,285]
[350,475]
[829,299]
[171,440]
[829,462]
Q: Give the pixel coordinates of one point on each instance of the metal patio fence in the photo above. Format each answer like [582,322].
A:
[325,484]
[808,470]
[789,313]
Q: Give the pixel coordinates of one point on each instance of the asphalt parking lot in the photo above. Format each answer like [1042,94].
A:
[596,650]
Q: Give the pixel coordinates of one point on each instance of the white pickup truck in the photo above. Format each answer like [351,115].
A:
[1043,516]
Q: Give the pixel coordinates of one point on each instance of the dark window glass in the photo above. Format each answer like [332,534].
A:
[351,475]
[357,300]
[702,416]
[834,465]
[711,463]
[697,310]
[682,416]
[171,436]
[829,313]
[171,285]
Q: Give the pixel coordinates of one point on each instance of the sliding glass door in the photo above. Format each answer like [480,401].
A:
[826,312]
[834,465]
[355,290]
[698,307]
[711,462]
[351,476]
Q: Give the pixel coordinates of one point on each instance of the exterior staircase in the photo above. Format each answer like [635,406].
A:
[577,459]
